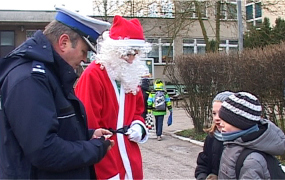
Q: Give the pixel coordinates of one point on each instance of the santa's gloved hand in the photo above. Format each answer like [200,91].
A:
[135,133]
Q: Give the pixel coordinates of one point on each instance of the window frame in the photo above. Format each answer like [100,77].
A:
[166,8]
[152,10]
[225,9]
[198,43]
[160,44]
[193,14]
[255,21]
[30,33]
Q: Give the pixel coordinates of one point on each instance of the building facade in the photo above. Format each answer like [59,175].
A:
[172,27]
[16,26]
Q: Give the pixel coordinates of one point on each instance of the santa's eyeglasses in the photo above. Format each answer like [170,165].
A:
[133,52]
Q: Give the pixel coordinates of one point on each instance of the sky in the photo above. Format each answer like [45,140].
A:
[84,6]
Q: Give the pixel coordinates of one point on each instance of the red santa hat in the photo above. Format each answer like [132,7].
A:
[127,32]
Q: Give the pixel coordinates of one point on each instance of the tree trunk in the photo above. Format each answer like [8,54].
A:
[204,32]
[218,24]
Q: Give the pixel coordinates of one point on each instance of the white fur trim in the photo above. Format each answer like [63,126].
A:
[146,130]
[117,177]
[124,156]
[130,42]
[140,43]
[120,137]
[121,102]
[114,86]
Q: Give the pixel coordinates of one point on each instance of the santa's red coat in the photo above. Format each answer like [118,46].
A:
[101,99]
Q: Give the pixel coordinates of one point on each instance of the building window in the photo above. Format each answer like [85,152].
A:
[7,38]
[7,42]
[140,13]
[194,46]
[162,48]
[253,14]
[188,46]
[198,46]
[166,9]
[228,10]
[152,10]
[258,23]
[203,9]
[258,11]
[188,7]
[249,12]
[30,33]
[228,46]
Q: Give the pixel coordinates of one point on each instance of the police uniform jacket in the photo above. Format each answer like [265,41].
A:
[43,131]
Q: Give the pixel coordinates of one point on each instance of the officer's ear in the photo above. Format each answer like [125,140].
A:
[64,42]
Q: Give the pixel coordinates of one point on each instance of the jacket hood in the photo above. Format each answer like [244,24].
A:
[145,84]
[271,141]
[36,48]
[158,85]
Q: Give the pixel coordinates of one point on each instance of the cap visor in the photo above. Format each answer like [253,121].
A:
[92,47]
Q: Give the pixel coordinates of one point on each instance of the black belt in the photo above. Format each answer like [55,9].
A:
[122,130]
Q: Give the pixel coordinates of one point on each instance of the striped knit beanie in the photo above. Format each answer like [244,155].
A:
[242,110]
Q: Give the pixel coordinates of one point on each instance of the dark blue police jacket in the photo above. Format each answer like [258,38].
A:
[43,131]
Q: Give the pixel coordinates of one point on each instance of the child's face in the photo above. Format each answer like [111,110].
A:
[226,127]
[215,113]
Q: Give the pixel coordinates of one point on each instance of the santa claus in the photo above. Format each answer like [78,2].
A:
[109,89]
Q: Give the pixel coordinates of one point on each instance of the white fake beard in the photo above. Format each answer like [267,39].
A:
[119,69]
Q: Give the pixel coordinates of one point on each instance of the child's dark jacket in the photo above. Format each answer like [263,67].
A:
[208,160]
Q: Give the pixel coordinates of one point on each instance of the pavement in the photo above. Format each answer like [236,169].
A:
[173,157]
[181,121]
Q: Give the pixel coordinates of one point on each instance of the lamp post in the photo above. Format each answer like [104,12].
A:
[240,26]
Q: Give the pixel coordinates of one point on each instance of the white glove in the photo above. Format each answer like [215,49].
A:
[135,133]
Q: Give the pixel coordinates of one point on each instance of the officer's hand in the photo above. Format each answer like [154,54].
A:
[102,132]
[107,143]
[112,143]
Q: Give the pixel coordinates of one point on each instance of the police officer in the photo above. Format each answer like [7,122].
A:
[43,131]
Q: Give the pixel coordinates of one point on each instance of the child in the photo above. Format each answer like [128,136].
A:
[145,90]
[208,160]
[243,127]
[158,101]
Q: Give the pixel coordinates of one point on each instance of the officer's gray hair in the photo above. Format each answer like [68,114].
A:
[55,29]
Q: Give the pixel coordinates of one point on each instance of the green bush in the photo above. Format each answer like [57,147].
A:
[259,71]
[192,134]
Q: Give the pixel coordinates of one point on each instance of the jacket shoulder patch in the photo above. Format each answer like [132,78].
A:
[38,68]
